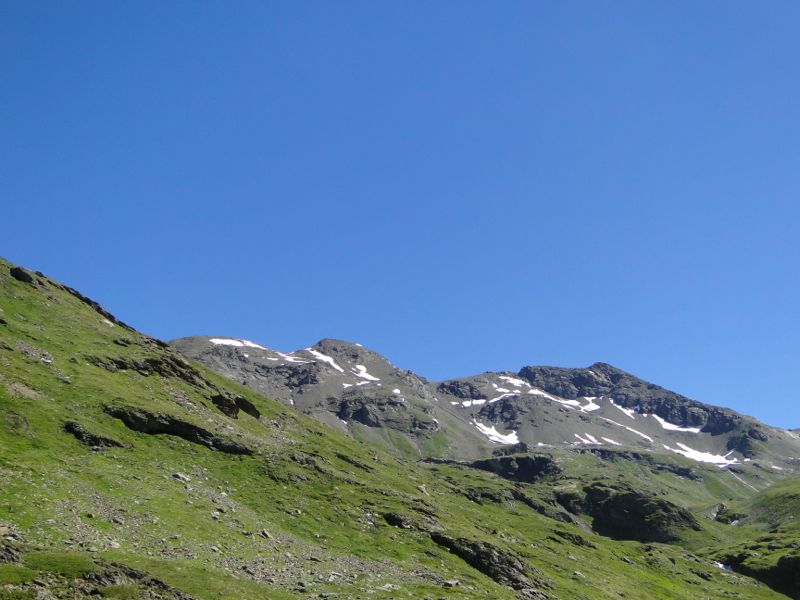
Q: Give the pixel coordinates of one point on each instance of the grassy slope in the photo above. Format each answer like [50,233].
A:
[323,513]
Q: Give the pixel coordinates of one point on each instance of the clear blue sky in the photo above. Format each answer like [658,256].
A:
[462,186]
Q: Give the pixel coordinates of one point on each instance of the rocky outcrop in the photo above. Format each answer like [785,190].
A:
[745,442]
[620,512]
[158,423]
[602,379]
[782,574]
[547,506]
[94,441]
[22,275]
[165,365]
[460,389]
[385,410]
[231,405]
[525,468]
[508,411]
[501,565]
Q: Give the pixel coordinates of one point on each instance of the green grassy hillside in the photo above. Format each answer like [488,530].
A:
[128,472]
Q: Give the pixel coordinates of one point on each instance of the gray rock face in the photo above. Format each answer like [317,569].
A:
[631,392]
[156,423]
[360,392]
[342,384]
[621,512]
[502,566]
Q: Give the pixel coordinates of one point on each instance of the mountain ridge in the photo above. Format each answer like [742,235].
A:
[530,405]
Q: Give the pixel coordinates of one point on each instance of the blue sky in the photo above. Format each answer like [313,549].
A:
[462,186]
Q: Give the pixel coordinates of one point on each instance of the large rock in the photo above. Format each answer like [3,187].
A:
[621,512]
[158,423]
[524,468]
[502,566]
[22,275]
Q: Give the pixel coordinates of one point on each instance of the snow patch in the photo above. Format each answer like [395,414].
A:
[396,391]
[232,342]
[631,429]
[468,403]
[506,394]
[610,441]
[569,403]
[361,371]
[672,427]
[590,405]
[107,322]
[706,457]
[628,411]
[325,358]
[495,436]
[293,359]
[514,381]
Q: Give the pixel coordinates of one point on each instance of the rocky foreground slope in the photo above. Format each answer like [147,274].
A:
[129,471]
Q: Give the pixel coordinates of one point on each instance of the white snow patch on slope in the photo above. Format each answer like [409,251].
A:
[504,395]
[514,381]
[361,371]
[582,440]
[495,436]
[673,427]
[468,403]
[293,359]
[590,404]
[569,403]
[631,429]
[628,411]
[588,407]
[239,343]
[396,391]
[706,457]
[325,358]
[610,441]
